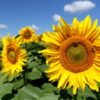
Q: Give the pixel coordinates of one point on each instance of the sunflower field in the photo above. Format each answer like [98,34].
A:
[60,65]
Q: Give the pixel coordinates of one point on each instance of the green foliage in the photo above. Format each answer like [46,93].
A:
[34,74]
[3,78]
[29,92]
[5,89]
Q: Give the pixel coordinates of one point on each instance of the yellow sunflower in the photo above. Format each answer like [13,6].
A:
[13,56]
[73,53]
[27,34]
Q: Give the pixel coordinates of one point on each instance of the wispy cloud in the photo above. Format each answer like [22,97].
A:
[56,17]
[79,6]
[36,28]
[3,26]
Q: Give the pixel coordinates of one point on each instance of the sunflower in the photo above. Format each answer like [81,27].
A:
[73,54]
[13,56]
[27,34]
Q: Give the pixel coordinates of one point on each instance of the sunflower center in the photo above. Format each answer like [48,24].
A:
[11,55]
[27,35]
[77,54]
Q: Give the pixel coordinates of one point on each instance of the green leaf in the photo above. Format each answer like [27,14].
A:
[43,67]
[49,97]
[6,88]
[30,53]
[15,97]
[87,93]
[8,96]
[3,78]
[35,46]
[35,74]
[69,91]
[80,97]
[50,92]
[29,92]
[32,64]
[18,84]
[49,88]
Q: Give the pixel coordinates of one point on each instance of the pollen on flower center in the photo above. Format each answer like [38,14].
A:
[27,35]
[77,54]
[11,55]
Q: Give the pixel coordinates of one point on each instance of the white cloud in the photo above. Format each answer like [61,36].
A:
[56,17]
[36,28]
[79,6]
[3,26]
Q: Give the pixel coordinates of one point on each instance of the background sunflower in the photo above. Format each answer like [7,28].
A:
[13,56]
[27,34]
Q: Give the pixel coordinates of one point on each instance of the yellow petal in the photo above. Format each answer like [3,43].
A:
[81,81]
[74,89]
[55,76]
[63,78]
[92,29]
[53,69]
[95,74]
[48,52]
[63,22]
[50,39]
[75,25]
[86,24]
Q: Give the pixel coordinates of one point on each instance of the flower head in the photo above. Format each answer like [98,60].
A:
[27,34]
[13,56]
[73,53]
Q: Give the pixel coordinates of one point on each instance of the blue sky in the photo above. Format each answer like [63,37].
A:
[42,14]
